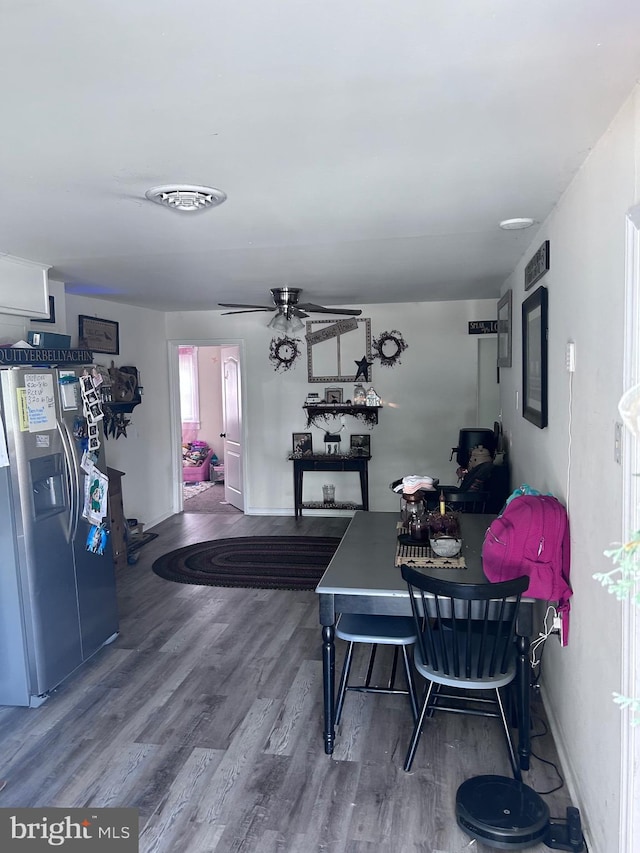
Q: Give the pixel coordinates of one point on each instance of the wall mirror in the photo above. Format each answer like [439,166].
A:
[334,347]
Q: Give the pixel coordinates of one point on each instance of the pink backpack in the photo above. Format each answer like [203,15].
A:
[531,537]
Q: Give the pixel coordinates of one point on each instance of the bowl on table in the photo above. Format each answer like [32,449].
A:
[445,546]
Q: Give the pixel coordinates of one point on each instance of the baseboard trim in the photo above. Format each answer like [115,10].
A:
[568,771]
[320,513]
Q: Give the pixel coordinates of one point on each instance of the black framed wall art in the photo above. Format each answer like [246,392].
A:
[99,335]
[504,330]
[52,312]
[535,321]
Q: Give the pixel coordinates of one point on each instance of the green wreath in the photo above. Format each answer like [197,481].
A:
[283,352]
[394,341]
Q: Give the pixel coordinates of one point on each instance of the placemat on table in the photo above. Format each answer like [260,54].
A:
[421,556]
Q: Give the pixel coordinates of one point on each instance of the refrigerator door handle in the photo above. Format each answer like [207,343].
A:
[74,478]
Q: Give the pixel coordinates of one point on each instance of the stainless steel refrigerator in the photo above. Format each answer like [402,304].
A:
[57,599]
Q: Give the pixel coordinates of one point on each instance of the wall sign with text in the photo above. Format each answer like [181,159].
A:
[483,327]
[537,266]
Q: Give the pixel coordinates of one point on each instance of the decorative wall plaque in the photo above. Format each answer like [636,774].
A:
[537,266]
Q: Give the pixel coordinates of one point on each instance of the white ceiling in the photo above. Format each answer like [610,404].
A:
[368,148]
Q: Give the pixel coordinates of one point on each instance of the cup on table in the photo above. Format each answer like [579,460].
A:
[328,493]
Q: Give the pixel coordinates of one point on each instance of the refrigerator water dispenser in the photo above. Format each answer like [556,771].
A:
[48,485]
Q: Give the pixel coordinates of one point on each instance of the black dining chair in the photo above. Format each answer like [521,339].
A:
[397,631]
[460,501]
[465,640]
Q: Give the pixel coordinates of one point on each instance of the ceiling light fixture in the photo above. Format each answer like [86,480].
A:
[186,198]
[287,325]
[516,224]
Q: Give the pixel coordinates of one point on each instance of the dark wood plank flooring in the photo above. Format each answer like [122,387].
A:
[206,716]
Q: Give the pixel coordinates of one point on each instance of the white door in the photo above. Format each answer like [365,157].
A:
[232,426]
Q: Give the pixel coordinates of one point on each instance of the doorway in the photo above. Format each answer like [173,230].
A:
[488,400]
[202,406]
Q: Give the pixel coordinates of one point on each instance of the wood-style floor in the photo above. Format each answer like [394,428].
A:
[206,716]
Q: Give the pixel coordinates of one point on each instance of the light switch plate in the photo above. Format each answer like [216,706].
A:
[617,442]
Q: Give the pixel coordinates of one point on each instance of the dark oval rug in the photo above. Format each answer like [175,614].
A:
[261,562]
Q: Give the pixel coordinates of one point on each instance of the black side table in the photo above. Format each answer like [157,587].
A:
[317,462]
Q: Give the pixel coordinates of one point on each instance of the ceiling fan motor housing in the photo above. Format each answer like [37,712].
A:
[286,298]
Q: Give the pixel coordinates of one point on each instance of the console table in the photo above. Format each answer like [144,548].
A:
[317,462]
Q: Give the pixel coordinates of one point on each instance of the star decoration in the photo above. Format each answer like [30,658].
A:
[121,425]
[363,368]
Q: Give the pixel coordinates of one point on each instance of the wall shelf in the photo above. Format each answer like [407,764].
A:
[324,411]
[120,408]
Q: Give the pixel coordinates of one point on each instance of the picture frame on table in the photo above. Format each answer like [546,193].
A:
[99,335]
[360,445]
[504,329]
[302,443]
[535,322]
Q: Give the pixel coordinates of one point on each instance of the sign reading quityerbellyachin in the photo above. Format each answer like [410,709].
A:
[33,356]
[82,830]
[483,327]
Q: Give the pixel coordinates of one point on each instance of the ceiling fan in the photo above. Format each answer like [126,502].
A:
[289,311]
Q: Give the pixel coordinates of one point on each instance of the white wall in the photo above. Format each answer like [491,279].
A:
[427,398]
[145,454]
[586,304]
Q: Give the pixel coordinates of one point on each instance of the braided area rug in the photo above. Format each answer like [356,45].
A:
[259,562]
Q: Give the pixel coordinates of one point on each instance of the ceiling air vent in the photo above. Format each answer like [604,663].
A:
[186,198]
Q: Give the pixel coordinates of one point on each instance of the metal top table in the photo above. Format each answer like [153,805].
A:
[362,578]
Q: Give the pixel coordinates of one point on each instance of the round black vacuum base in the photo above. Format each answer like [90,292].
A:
[501,812]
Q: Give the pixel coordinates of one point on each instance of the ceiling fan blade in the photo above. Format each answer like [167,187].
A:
[246,311]
[318,309]
[245,305]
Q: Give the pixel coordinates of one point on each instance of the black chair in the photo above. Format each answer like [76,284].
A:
[466,640]
[397,631]
[465,501]
[487,482]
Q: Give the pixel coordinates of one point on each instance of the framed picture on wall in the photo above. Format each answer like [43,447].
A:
[534,357]
[99,335]
[504,330]
[52,312]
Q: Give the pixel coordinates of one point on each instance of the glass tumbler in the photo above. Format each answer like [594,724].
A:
[328,493]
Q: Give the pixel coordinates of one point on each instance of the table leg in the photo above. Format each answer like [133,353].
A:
[329,687]
[297,490]
[524,700]
[364,486]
